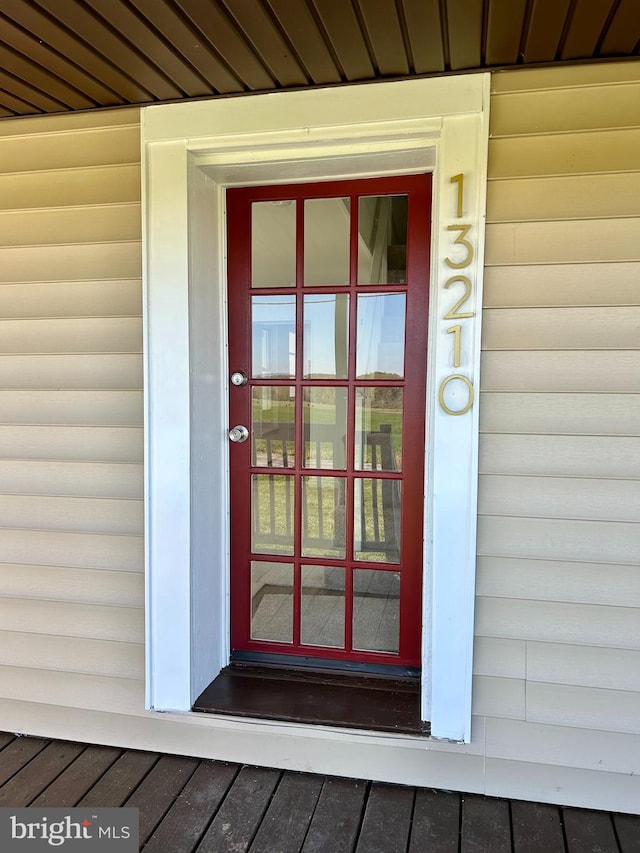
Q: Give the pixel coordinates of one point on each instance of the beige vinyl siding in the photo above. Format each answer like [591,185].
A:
[558,573]
[71,480]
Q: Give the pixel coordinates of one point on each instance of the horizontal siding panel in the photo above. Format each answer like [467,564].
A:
[60,187]
[73,550]
[94,657]
[73,690]
[566,786]
[71,122]
[559,497]
[585,707]
[584,666]
[70,225]
[564,154]
[562,414]
[568,241]
[565,110]
[567,197]
[59,583]
[84,443]
[86,334]
[79,515]
[108,372]
[71,619]
[565,76]
[73,299]
[499,658]
[555,622]
[69,263]
[560,328]
[559,539]
[498,697]
[79,479]
[573,370]
[561,455]
[99,408]
[70,149]
[515,740]
[552,580]
[563,285]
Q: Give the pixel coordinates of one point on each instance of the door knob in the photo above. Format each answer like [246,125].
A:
[239,378]
[238,434]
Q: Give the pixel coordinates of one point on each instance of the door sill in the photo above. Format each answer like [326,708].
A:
[322,698]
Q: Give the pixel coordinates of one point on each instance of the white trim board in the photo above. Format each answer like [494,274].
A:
[191,153]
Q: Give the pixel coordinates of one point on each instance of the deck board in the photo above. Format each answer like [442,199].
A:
[78,778]
[387,819]
[485,825]
[239,817]
[589,830]
[436,822]
[186,821]
[536,826]
[336,821]
[34,777]
[191,805]
[284,826]
[156,793]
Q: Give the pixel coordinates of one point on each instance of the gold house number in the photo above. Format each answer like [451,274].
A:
[456,313]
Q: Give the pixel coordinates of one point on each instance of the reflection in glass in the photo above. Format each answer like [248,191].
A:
[272,502]
[272,602]
[273,336]
[382,240]
[379,429]
[323,515]
[326,324]
[377,520]
[376,611]
[273,427]
[325,427]
[380,336]
[322,611]
[273,243]
[326,241]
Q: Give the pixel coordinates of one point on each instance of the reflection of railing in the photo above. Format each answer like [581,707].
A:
[323,509]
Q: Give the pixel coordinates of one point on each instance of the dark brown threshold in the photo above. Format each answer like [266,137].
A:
[325,698]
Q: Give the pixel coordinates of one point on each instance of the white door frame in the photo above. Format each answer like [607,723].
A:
[191,153]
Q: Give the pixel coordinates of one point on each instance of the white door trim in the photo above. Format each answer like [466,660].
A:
[191,153]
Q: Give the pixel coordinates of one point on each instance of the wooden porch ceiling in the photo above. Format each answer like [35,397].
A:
[65,55]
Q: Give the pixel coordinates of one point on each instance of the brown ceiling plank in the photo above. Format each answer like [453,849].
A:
[51,33]
[343,30]
[546,25]
[6,113]
[464,24]
[190,46]
[303,33]
[165,57]
[259,29]
[17,105]
[76,17]
[504,31]
[38,52]
[585,29]
[29,94]
[424,26]
[41,79]
[624,30]
[385,35]
[218,31]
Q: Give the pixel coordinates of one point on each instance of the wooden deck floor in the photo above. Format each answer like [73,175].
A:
[187,804]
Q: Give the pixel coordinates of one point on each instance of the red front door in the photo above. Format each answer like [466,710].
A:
[328,291]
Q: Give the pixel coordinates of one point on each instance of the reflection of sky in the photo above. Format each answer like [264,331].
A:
[380,334]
